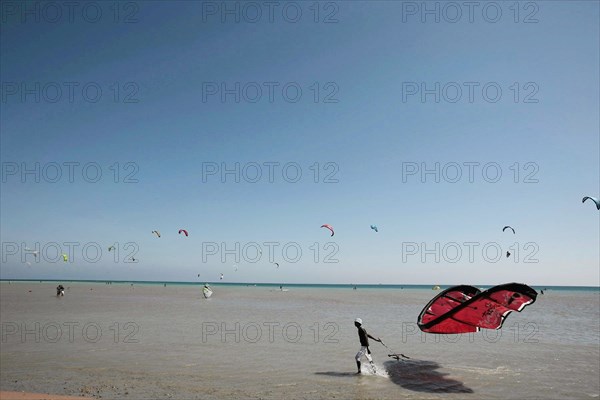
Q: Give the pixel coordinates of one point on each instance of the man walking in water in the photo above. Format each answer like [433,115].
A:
[363,336]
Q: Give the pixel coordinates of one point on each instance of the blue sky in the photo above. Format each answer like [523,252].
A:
[173,53]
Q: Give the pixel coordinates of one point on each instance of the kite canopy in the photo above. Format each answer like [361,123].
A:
[111,248]
[157,233]
[65,257]
[184,232]
[508,227]
[463,309]
[374,227]
[595,200]
[34,252]
[328,227]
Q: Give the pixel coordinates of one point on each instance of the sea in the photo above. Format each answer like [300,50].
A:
[164,340]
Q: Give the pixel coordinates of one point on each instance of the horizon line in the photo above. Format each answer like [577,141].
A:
[276,283]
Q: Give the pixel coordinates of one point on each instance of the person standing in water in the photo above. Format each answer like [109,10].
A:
[363,336]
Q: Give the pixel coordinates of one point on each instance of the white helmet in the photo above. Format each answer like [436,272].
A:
[358,320]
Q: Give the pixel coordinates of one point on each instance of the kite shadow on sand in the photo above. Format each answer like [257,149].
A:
[422,376]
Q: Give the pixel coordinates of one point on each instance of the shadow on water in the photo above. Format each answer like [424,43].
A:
[338,374]
[422,376]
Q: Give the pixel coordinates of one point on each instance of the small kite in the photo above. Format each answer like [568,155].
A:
[507,254]
[276,264]
[508,227]
[595,200]
[328,227]
[111,248]
[374,227]
[221,278]
[34,252]
[157,233]
[65,257]
[184,232]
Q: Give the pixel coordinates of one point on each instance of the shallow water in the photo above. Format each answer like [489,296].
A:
[151,341]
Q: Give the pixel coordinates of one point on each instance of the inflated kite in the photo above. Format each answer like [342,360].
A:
[463,309]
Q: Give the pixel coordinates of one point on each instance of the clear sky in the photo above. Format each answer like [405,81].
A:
[367,119]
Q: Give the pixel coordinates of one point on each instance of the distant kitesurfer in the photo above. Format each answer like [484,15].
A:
[206,291]
[60,290]
[364,345]
[507,254]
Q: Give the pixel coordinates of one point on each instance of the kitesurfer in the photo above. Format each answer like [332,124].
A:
[60,290]
[363,336]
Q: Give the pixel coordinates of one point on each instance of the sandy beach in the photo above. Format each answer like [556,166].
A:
[151,341]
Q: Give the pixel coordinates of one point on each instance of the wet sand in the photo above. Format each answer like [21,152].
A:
[34,396]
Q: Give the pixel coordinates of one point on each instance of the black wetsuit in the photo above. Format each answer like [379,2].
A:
[362,335]
[364,343]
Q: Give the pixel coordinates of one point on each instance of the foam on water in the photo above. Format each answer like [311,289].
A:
[367,370]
